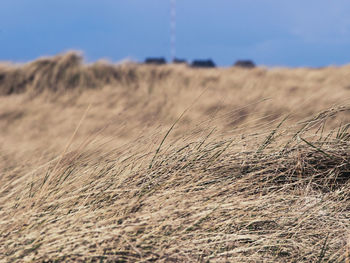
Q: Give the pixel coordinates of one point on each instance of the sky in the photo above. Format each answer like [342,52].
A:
[311,33]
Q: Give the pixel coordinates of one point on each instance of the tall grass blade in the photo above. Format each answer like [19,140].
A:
[270,137]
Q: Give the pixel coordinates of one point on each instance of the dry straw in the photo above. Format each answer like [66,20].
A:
[201,201]
[276,192]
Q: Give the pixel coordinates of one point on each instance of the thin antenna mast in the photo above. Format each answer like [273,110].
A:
[173,29]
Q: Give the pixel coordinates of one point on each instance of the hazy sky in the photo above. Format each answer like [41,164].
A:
[270,32]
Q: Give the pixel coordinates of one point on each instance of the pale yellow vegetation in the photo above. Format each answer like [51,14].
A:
[93,168]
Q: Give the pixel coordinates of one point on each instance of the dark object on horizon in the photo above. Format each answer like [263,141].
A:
[203,63]
[179,61]
[155,61]
[244,64]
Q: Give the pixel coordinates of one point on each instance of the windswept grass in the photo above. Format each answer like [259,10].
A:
[125,189]
[206,200]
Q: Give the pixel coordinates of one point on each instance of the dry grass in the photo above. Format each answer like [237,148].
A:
[89,172]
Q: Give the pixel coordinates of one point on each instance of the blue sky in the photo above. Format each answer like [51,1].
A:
[270,32]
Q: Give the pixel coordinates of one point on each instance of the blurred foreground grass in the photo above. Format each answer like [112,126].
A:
[255,170]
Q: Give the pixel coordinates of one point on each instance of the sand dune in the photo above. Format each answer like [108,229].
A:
[169,163]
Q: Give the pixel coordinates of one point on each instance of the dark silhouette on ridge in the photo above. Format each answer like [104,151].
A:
[155,61]
[203,63]
[244,64]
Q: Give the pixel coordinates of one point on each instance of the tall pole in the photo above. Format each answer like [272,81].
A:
[173,29]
